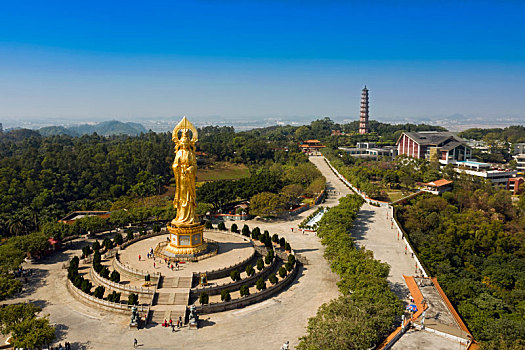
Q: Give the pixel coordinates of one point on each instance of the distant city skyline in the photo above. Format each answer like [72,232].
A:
[262,59]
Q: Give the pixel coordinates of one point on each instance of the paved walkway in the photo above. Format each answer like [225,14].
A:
[373,231]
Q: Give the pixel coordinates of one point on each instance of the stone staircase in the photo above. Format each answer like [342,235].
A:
[171,299]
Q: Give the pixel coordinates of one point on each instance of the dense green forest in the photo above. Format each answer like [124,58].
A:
[512,134]
[472,240]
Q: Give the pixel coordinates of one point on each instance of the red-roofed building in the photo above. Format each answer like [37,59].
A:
[438,187]
[311,145]
[75,215]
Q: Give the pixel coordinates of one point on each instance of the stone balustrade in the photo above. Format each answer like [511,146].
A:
[118,286]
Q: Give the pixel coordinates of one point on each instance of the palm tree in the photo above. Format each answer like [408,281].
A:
[16,227]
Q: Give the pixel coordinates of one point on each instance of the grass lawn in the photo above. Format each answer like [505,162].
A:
[394,195]
[222,171]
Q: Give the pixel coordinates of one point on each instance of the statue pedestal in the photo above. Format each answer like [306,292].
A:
[186,240]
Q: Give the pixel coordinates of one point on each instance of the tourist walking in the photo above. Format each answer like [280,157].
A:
[135,342]
[139,257]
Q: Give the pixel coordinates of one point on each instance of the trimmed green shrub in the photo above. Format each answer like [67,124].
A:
[256,233]
[99,292]
[208,225]
[72,270]
[288,266]
[104,272]
[221,226]
[118,240]
[235,275]
[129,235]
[250,271]
[245,291]
[133,299]
[272,278]
[260,264]
[225,295]
[287,247]
[275,238]
[114,297]
[107,243]
[86,286]
[267,260]
[282,242]
[260,284]
[156,228]
[234,228]
[115,276]
[86,250]
[246,230]
[98,267]
[282,272]
[291,259]
[96,246]
[97,258]
[204,298]
[271,254]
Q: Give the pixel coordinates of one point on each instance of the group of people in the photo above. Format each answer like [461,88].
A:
[67,346]
[150,255]
[178,324]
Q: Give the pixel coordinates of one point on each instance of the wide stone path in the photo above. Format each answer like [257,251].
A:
[373,231]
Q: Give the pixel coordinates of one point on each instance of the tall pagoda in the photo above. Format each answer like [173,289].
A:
[363,118]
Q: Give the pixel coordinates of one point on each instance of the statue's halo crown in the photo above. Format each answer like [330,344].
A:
[185,124]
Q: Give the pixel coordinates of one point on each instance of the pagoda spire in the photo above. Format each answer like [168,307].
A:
[363,117]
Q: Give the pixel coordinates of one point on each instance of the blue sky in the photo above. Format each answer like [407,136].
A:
[129,60]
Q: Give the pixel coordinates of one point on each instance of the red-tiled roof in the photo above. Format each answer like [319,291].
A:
[438,183]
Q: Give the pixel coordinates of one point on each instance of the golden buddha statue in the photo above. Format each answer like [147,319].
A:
[185,229]
[184,167]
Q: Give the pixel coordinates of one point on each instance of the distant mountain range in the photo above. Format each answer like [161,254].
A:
[108,128]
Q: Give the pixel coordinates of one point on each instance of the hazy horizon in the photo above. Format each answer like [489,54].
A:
[250,60]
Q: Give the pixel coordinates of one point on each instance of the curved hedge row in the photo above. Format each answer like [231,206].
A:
[233,286]
[367,309]
[250,299]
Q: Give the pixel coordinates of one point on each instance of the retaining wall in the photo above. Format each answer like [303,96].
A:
[103,304]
